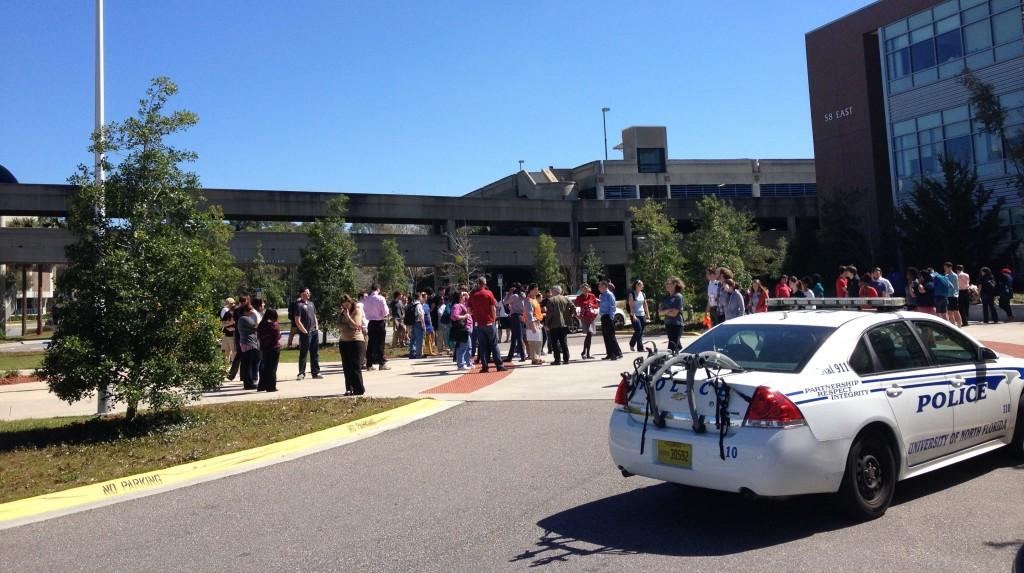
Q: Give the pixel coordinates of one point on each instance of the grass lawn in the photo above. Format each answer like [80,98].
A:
[20,360]
[48,455]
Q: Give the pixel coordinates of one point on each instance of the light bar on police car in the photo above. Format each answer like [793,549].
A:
[880,303]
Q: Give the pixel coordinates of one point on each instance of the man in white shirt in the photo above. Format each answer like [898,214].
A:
[375,315]
[712,308]
[887,289]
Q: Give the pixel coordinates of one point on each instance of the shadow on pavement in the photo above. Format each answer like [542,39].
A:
[666,519]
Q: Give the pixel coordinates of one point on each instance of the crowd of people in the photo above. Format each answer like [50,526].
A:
[469,324]
[948,293]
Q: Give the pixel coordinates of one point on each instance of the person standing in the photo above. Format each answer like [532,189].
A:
[350,345]
[852,281]
[557,320]
[484,308]
[842,284]
[397,323]
[415,318]
[671,309]
[732,301]
[638,311]
[588,305]
[926,292]
[309,336]
[711,311]
[293,305]
[606,309]
[269,335]
[911,290]
[1006,292]
[515,302]
[227,330]
[782,289]
[249,344]
[725,274]
[963,286]
[952,293]
[881,284]
[758,297]
[243,301]
[989,291]
[376,311]
[428,326]
[460,332]
[818,288]
[534,318]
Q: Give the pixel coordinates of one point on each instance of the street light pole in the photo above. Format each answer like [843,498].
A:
[604,123]
[102,396]
[520,164]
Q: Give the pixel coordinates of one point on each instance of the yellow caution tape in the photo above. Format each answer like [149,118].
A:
[101,493]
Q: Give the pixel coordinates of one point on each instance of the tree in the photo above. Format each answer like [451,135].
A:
[592,263]
[725,237]
[328,267]
[548,270]
[141,272]
[953,219]
[657,255]
[463,262]
[391,273]
[990,112]
[260,275]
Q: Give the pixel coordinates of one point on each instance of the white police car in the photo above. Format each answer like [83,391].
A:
[800,402]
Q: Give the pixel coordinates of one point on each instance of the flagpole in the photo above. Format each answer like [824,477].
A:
[102,397]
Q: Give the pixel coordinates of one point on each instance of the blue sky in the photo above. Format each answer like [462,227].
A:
[410,97]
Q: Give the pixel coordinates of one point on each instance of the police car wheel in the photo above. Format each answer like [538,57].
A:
[1017,445]
[870,478]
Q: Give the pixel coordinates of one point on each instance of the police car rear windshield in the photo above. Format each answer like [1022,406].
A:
[766,347]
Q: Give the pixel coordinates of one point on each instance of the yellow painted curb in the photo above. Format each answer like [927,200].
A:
[23,510]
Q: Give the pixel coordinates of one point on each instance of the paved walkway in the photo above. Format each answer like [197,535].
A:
[438,377]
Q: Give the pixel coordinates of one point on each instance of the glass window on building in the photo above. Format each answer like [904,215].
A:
[948,47]
[1006,27]
[650,160]
[899,63]
[988,148]
[977,37]
[653,192]
[959,149]
[922,55]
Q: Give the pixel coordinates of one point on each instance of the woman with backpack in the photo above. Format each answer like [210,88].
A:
[588,305]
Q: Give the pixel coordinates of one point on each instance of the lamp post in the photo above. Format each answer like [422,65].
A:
[604,123]
[102,395]
[520,164]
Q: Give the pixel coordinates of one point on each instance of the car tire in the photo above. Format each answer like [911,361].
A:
[619,321]
[870,478]
[1017,444]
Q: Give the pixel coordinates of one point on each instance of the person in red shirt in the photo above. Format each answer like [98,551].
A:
[782,288]
[587,304]
[841,283]
[484,308]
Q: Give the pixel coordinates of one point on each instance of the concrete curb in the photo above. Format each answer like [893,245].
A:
[47,506]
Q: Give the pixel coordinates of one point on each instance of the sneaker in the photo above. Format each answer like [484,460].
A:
[501,369]
[301,376]
[384,367]
[461,368]
[556,363]
[369,368]
[317,377]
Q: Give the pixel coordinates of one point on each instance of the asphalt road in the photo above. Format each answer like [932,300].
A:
[494,486]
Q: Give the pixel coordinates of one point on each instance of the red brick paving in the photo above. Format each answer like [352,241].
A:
[470,382]
[1016,350]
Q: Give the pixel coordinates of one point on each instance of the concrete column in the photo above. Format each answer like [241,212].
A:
[600,191]
[636,191]
[757,189]
[791,225]
[450,230]
[668,190]
[24,299]
[39,299]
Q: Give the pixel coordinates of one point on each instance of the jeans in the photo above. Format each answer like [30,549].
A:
[488,345]
[309,342]
[376,333]
[674,331]
[250,360]
[560,344]
[268,369]
[611,345]
[638,333]
[416,341]
[463,358]
[515,346]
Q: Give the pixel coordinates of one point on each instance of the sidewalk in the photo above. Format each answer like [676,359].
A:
[579,380]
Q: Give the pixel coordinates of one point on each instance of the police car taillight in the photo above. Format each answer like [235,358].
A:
[771,409]
[622,392]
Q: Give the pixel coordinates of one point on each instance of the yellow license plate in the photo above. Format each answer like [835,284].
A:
[675,454]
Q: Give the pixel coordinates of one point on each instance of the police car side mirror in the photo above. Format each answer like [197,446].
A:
[985,354]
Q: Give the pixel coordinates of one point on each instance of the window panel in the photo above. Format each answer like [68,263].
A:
[947,24]
[904,127]
[1014,116]
[905,141]
[979,60]
[957,114]
[901,85]
[897,348]
[930,157]
[895,29]
[987,148]
[922,55]
[899,64]
[975,14]
[861,361]
[650,160]
[930,135]
[1006,26]
[947,9]
[921,34]
[1009,51]
[907,162]
[959,149]
[990,170]
[951,69]
[946,345]
[965,4]
[957,129]
[948,46]
[929,121]
[1012,99]
[998,5]
[926,77]
[977,36]
[921,19]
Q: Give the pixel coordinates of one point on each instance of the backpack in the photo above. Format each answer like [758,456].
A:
[446,315]
[409,318]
